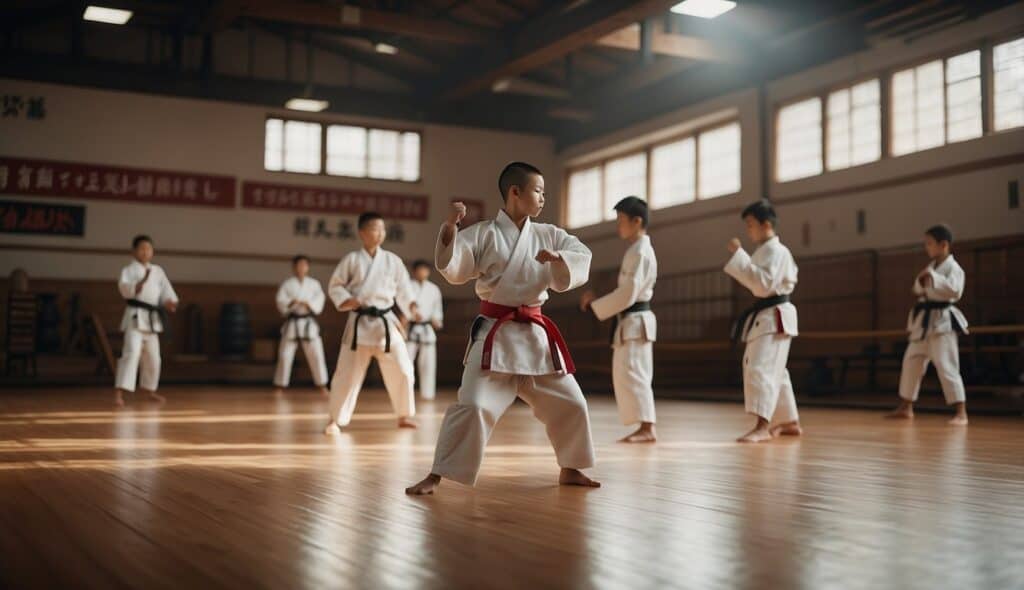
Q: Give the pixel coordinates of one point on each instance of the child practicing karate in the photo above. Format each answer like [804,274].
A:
[148,292]
[935,324]
[300,298]
[634,327]
[514,350]
[767,327]
[422,343]
[369,283]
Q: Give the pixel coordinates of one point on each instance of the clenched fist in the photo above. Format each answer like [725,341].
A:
[457,213]
[545,256]
[734,245]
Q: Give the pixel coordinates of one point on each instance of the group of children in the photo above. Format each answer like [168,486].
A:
[514,350]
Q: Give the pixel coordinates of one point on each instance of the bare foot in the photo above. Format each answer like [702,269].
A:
[406,422]
[905,411]
[758,434]
[575,477]
[644,434]
[425,487]
[332,429]
[787,429]
[958,420]
[118,399]
[278,392]
[323,391]
[156,397]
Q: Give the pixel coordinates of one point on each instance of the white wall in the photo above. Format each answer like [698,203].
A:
[135,130]
[973,201]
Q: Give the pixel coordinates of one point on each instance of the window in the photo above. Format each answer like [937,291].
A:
[1008,85]
[674,173]
[624,177]
[854,126]
[936,103]
[292,146]
[700,166]
[798,143]
[584,197]
[719,161]
[384,154]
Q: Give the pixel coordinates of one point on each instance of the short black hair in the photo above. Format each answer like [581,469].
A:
[139,239]
[367,217]
[762,211]
[420,262]
[515,174]
[299,257]
[634,207]
[940,233]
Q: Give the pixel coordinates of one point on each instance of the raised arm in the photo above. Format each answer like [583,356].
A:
[572,267]
[454,253]
[762,280]
[632,276]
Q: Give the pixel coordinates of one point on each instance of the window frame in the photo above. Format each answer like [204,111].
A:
[324,124]
[988,83]
[647,149]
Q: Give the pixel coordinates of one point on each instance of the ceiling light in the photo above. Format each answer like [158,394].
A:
[306,104]
[101,14]
[385,48]
[501,85]
[704,8]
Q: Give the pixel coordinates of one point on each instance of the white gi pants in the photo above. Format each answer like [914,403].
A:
[140,358]
[395,368]
[767,390]
[632,373]
[944,351]
[484,396]
[313,348]
[425,356]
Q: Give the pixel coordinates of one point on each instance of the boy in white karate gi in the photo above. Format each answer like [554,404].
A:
[148,292]
[300,298]
[768,327]
[934,325]
[422,343]
[514,350]
[369,283]
[634,327]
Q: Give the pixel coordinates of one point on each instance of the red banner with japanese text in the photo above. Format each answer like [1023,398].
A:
[261,195]
[48,178]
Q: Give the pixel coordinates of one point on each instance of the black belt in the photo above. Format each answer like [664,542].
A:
[374,312]
[926,307]
[294,318]
[635,308]
[413,334]
[148,308]
[740,327]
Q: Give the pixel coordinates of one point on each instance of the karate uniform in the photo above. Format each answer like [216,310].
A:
[522,360]
[634,334]
[300,326]
[422,342]
[934,332]
[770,272]
[379,282]
[140,353]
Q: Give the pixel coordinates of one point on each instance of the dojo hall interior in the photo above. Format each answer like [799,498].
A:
[238,134]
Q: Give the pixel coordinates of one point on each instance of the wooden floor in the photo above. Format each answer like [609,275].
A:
[232,488]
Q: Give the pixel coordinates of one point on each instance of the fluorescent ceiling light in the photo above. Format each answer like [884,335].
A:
[704,8]
[306,104]
[385,48]
[101,14]
[501,85]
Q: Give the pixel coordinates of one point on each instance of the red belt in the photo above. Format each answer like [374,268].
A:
[525,315]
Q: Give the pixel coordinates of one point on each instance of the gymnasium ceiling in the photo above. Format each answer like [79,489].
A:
[572,69]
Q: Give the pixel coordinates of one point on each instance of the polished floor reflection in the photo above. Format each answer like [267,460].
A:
[232,488]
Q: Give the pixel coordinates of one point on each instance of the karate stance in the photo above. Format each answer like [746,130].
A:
[934,325]
[634,327]
[300,298]
[422,343]
[514,350]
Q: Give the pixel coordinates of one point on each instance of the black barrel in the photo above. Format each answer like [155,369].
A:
[235,330]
